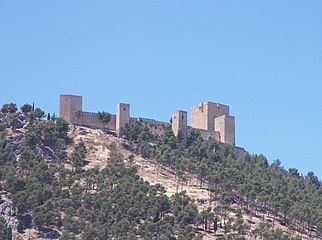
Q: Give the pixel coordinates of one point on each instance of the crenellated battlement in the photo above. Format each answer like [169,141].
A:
[209,118]
[93,113]
[148,120]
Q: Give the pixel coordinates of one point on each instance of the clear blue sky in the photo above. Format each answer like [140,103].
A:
[263,58]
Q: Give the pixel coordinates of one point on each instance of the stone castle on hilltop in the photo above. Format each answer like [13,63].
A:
[210,119]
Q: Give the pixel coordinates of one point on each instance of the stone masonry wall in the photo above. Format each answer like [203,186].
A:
[69,105]
[226,126]
[122,115]
[156,127]
[90,119]
[198,115]
[210,119]
[203,115]
[205,134]
[215,110]
[179,124]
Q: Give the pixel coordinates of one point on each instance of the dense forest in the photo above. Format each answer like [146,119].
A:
[52,192]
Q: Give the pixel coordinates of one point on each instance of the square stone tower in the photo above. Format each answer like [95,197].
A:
[122,115]
[203,115]
[69,105]
[225,125]
[179,123]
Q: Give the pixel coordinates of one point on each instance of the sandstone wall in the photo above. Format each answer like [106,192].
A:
[205,134]
[69,105]
[156,127]
[122,115]
[215,110]
[203,115]
[90,119]
[226,126]
[198,115]
[179,123]
[211,119]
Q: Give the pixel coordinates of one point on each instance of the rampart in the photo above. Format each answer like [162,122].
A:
[205,134]
[210,119]
[90,119]
[156,127]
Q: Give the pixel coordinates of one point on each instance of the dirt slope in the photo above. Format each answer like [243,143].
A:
[97,143]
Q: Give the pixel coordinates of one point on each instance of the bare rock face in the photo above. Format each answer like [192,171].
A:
[15,142]
[8,212]
[7,209]
[16,123]
[49,235]
[48,154]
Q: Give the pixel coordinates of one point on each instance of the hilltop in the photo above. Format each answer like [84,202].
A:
[75,182]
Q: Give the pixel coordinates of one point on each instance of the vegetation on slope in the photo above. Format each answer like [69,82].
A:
[242,179]
[115,203]
[109,203]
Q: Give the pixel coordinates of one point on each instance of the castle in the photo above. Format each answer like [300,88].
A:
[210,119]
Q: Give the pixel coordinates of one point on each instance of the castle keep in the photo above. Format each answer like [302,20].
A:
[210,119]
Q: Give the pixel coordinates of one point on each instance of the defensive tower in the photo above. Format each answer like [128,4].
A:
[203,115]
[122,115]
[214,117]
[209,118]
[71,108]
[179,124]
[225,125]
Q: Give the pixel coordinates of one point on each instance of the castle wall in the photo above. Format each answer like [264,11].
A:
[205,134]
[215,110]
[156,127]
[210,119]
[198,115]
[90,119]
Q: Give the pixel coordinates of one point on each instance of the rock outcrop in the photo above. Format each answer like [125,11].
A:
[8,212]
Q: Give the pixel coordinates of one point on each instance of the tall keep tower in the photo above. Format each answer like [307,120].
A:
[122,115]
[203,115]
[69,105]
[214,117]
[179,123]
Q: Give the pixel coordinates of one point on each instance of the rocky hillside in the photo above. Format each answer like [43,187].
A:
[149,169]
[73,182]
